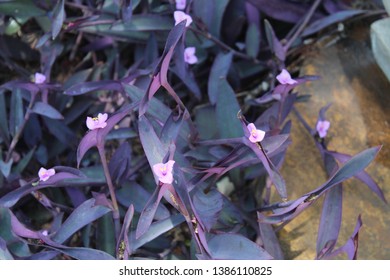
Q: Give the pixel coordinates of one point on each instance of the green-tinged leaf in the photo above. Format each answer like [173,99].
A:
[4,132]
[156,108]
[4,253]
[155,230]
[17,112]
[206,123]
[58,18]
[105,234]
[211,13]
[47,110]
[24,8]
[22,164]
[228,246]
[154,149]
[208,206]
[85,254]
[218,72]
[15,245]
[252,40]
[81,216]
[133,193]
[226,112]
[5,167]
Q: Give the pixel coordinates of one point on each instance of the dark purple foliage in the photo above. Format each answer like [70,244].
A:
[130,61]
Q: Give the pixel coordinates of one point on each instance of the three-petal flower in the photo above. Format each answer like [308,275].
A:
[181,4]
[98,122]
[164,171]
[256,135]
[189,55]
[39,78]
[322,128]
[45,174]
[285,78]
[180,16]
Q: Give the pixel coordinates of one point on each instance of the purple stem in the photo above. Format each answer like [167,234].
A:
[303,25]
[115,213]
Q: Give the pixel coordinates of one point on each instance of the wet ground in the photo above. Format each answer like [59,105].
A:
[360,118]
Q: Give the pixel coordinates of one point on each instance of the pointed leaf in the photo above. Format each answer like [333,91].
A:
[155,230]
[330,221]
[58,18]
[218,72]
[226,112]
[81,216]
[228,246]
[208,206]
[45,109]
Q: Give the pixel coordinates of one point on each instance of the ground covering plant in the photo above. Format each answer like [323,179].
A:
[121,122]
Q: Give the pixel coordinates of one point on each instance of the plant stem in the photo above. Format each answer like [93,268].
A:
[303,25]
[115,213]
[16,138]
[209,36]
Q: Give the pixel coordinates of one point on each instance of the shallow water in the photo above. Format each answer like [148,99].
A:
[360,118]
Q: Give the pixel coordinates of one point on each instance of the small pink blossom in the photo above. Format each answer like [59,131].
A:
[257,135]
[45,174]
[322,128]
[180,16]
[39,78]
[164,171]
[189,55]
[98,122]
[285,78]
[181,4]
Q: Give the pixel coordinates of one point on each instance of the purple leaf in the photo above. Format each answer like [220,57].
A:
[362,176]
[270,240]
[82,88]
[274,43]
[132,193]
[283,10]
[124,234]
[120,162]
[126,10]
[228,246]
[147,214]
[208,206]
[154,149]
[218,72]
[43,255]
[155,230]
[351,246]
[160,73]
[86,213]
[58,18]
[329,20]
[81,253]
[45,109]
[211,13]
[21,230]
[286,211]
[330,221]
[4,253]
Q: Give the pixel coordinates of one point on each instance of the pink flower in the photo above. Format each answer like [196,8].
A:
[322,128]
[45,174]
[189,55]
[285,78]
[164,171]
[180,16]
[181,4]
[98,122]
[39,78]
[257,135]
